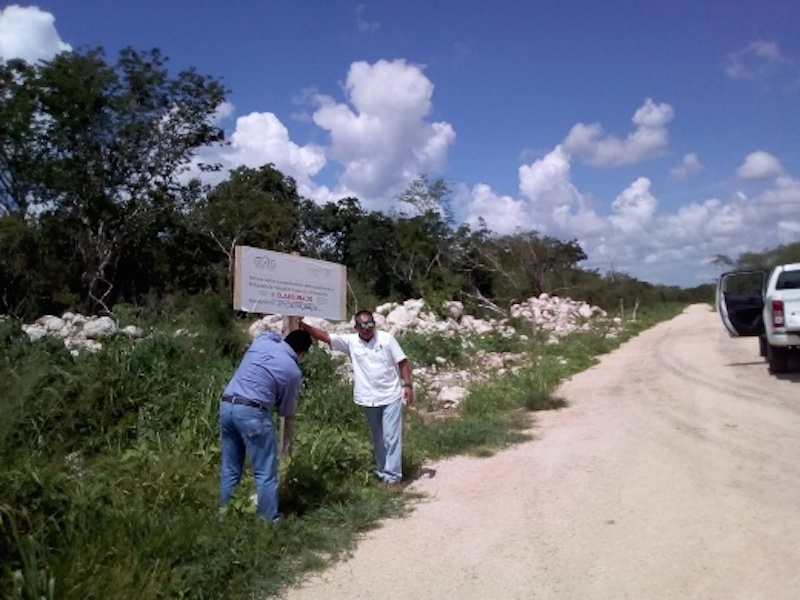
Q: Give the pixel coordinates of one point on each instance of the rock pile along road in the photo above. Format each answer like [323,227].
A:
[673,473]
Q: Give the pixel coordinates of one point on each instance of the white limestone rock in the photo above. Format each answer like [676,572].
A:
[99,328]
[132,331]
[34,332]
[52,324]
[452,396]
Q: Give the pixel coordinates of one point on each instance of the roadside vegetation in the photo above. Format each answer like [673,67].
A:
[109,486]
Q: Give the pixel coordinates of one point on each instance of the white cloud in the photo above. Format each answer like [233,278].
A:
[549,202]
[382,138]
[759,165]
[501,214]
[634,207]
[547,181]
[261,138]
[757,60]
[638,237]
[783,197]
[649,139]
[676,246]
[365,26]
[689,165]
[29,33]
[224,112]
[556,205]
[762,64]
[379,142]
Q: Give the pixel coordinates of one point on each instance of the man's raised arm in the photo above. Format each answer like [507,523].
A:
[315,332]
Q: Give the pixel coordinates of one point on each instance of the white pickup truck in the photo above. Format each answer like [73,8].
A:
[767,305]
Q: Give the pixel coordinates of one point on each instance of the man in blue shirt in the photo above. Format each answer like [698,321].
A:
[267,378]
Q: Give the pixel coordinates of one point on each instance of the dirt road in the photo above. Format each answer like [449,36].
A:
[674,473]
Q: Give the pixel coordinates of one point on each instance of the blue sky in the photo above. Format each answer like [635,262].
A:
[657,134]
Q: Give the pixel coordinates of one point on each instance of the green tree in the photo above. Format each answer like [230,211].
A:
[371,247]
[100,148]
[526,263]
[393,256]
[20,156]
[764,260]
[253,207]
[424,260]
[424,196]
[327,230]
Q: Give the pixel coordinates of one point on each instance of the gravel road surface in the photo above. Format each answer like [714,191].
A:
[673,473]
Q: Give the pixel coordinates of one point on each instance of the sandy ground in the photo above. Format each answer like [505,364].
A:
[674,473]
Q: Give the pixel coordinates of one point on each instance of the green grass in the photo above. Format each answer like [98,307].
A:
[110,461]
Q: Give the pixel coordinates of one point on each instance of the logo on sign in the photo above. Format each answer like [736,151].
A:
[264,262]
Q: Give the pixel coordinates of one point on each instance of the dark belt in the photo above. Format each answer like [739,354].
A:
[244,402]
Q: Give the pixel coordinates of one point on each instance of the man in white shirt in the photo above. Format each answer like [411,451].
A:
[381,382]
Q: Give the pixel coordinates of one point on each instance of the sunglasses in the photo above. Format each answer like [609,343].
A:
[366,325]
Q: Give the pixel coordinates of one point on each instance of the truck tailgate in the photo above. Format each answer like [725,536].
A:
[791,309]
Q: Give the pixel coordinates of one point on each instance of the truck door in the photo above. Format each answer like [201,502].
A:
[740,302]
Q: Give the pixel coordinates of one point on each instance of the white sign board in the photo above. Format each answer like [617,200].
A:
[275,283]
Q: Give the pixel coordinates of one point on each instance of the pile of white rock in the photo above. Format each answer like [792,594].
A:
[556,316]
[78,332]
[399,318]
[448,386]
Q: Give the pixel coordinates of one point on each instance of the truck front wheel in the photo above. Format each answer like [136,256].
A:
[778,358]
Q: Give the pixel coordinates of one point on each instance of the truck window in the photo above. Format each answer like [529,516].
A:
[788,280]
[745,283]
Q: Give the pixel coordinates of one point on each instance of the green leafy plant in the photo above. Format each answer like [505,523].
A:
[428,350]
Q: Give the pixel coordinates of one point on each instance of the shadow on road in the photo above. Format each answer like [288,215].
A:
[745,364]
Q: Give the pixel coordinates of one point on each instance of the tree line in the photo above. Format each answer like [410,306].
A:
[95,209]
[760,261]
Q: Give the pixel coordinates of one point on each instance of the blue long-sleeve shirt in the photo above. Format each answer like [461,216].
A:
[269,373]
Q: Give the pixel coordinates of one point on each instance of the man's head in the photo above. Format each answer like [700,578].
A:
[300,342]
[365,325]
